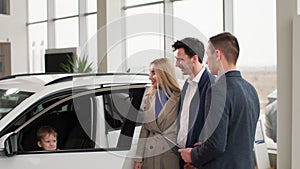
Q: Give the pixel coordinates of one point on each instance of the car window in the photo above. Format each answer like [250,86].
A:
[93,119]
[61,117]
[31,112]
[116,109]
[9,99]
[121,112]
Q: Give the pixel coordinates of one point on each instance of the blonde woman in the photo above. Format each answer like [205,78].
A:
[160,113]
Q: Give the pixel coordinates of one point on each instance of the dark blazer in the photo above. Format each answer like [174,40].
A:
[231,120]
[197,108]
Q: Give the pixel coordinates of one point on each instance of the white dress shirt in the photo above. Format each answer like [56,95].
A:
[184,114]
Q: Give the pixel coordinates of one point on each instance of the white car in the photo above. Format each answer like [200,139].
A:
[97,118]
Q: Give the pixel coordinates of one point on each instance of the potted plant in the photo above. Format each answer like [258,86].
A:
[77,65]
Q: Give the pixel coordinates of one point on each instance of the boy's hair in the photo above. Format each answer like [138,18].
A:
[44,131]
[191,46]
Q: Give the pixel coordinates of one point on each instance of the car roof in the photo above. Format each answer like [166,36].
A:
[36,82]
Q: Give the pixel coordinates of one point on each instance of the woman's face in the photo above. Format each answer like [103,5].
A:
[153,77]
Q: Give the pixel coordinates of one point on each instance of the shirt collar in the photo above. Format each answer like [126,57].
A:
[232,70]
[197,78]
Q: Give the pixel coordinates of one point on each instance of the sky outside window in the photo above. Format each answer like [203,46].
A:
[145,46]
[91,5]
[66,8]
[255,28]
[37,10]
[66,33]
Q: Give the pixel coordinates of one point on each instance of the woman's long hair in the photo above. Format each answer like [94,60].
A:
[165,71]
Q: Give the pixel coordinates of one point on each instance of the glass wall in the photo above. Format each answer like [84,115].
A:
[151,43]
[193,18]
[255,28]
[199,14]
[37,10]
[91,6]
[144,41]
[62,11]
[66,33]
[52,25]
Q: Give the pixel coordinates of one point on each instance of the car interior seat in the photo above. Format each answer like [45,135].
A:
[80,136]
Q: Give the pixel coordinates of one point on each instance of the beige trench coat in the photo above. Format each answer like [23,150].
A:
[153,150]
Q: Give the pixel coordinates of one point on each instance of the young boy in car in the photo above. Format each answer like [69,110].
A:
[47,138]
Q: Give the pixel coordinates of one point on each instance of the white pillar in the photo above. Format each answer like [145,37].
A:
[228,16]
[286,10]
[102,35]
[82,23]
[168,29]
[51,25]
[296,94]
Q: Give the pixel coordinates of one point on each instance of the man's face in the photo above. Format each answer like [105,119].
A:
[212,60]
[48,142]
[183,62]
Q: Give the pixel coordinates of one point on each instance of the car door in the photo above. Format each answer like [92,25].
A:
[95,129]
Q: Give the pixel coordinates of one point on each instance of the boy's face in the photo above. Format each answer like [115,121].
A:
[48,142]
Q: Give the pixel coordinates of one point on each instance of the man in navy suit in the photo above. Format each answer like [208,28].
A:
[189,53]
[231,115]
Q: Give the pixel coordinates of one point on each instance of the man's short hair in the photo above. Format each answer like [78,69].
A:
[228,44]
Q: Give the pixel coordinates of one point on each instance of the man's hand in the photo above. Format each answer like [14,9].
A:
[197,144]
[189,166]
[186,154]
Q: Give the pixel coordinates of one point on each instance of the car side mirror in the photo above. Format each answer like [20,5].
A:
[11,144]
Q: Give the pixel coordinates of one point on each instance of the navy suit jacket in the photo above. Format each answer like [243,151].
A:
[229,130]
[197,108]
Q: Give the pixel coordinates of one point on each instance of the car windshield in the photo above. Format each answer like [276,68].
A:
[9,99]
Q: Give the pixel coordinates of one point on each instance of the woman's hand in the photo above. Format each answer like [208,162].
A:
[197,144]
[137,165]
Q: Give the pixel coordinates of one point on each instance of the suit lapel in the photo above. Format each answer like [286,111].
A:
[195,102]
[196,119]
[203,80]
